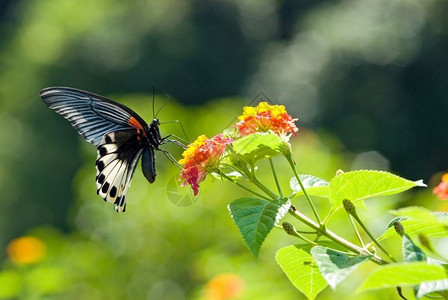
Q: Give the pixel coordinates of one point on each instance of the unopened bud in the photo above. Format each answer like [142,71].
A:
[425,241]
[289,228]
[399,228]
[349,207]
[285,147]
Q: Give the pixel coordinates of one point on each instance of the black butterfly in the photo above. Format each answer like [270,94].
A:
[120,135]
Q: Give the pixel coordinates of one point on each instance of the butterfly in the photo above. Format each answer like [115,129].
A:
[120,135]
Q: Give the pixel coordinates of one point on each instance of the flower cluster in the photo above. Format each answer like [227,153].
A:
[442,189]
[265,117]
[202,156]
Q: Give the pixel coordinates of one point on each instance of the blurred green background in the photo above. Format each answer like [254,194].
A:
[368,80]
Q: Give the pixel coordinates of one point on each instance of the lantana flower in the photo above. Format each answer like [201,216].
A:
[265,117]
[204,155]
[442,189]
[201,157]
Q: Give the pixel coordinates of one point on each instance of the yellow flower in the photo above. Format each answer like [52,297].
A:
[266,117]
[26,250]
[200,157]
[192,148]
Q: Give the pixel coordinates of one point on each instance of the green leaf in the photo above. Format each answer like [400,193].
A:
[423,214]
[334,265]
[418,220]
[313,185]
[357,186]
[256,217]
[433,286]
[258,146]
[396,219]
[301,269]
[402,274]
[411,252]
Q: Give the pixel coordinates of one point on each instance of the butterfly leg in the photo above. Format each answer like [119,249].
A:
[175,140]
[170,158]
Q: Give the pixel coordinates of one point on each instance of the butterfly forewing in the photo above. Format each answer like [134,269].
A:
[92,115]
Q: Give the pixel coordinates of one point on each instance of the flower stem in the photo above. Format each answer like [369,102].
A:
[334,237]
[243,187]
[366,230]
[291,163]
[275,178]
[291,230]
[262,187]
[358,235]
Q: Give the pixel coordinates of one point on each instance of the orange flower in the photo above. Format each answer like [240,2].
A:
[442,189]
[266,117]
[223,286]
[26,250]
[200,157]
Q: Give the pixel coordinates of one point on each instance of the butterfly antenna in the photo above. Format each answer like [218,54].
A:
[166,101]
[153,102]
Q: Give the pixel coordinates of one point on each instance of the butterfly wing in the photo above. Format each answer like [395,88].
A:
[92,115]
[119,134]
[118,155]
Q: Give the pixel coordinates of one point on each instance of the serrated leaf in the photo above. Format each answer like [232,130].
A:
[402,274]
[357,186]
[411,252]
[418,220]
[313,185]
[258,146]
[301,269]
[255,218]
[334,265]
[422,213]
[433,286]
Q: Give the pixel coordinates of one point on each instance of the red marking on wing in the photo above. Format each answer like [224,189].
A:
[134,123]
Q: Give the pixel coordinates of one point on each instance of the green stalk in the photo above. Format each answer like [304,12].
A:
[262,187]
[358,235]
[242,186]
[334,237]
[291,163]
[291,230]
[372,238]
[351,210]
[275,178]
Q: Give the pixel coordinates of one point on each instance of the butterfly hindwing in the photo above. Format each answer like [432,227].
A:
[117,158]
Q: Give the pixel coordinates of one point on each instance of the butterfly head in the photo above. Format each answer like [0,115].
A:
[155,122]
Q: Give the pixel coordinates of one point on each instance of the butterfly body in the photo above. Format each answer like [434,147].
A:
[120,135]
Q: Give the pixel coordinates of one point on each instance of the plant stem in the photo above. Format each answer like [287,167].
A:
[242,186]
[355,216]
[334,237]
[358,235]
[262,187]
[275,178]
[291,163]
